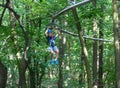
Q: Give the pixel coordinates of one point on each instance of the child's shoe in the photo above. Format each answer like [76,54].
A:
[56,61]
[52,62]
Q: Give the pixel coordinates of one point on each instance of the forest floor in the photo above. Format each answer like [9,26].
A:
[49,84]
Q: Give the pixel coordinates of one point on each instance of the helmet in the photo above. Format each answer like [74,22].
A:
[49,31]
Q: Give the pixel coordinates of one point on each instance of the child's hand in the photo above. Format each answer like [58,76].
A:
[46,32]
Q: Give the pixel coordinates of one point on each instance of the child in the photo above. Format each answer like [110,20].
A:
[52,47]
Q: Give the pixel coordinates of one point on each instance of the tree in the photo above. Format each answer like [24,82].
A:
[62,43]
[23,47]
[116,42]
[22,59]
[101,46]
[95,47]
[84,49]
[3,75]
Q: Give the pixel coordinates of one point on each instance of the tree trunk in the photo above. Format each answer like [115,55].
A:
[100,80]
[43,67]
[116,43]
[61,56]
[84,50]
[81,75]
[36,70]
[22,64]
[95,54]
[32,77]
[82,42]
[95,49]
[100,84]
[22,69]
[69,53]
[3,75]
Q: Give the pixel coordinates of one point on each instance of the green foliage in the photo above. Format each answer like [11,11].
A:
[36,15]
[88,14]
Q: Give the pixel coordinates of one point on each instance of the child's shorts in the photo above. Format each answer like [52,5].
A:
[52,48]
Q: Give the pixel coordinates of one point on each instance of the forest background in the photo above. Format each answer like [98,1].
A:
[88,44]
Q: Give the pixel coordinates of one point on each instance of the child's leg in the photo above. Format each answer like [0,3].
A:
[57,54]
[52,54]
[51,51]
[56,51]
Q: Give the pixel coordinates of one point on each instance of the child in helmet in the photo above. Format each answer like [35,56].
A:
[52,46]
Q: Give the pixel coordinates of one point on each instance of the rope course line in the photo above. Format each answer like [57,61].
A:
[86,37]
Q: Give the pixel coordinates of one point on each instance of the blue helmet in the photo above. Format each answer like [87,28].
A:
[49,31]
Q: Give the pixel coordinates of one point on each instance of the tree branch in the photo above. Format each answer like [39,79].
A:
[67,32]
[69,8]
[17,16]
[3,13]
[9,8]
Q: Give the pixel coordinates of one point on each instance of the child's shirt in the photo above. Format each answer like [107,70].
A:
[51,40]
